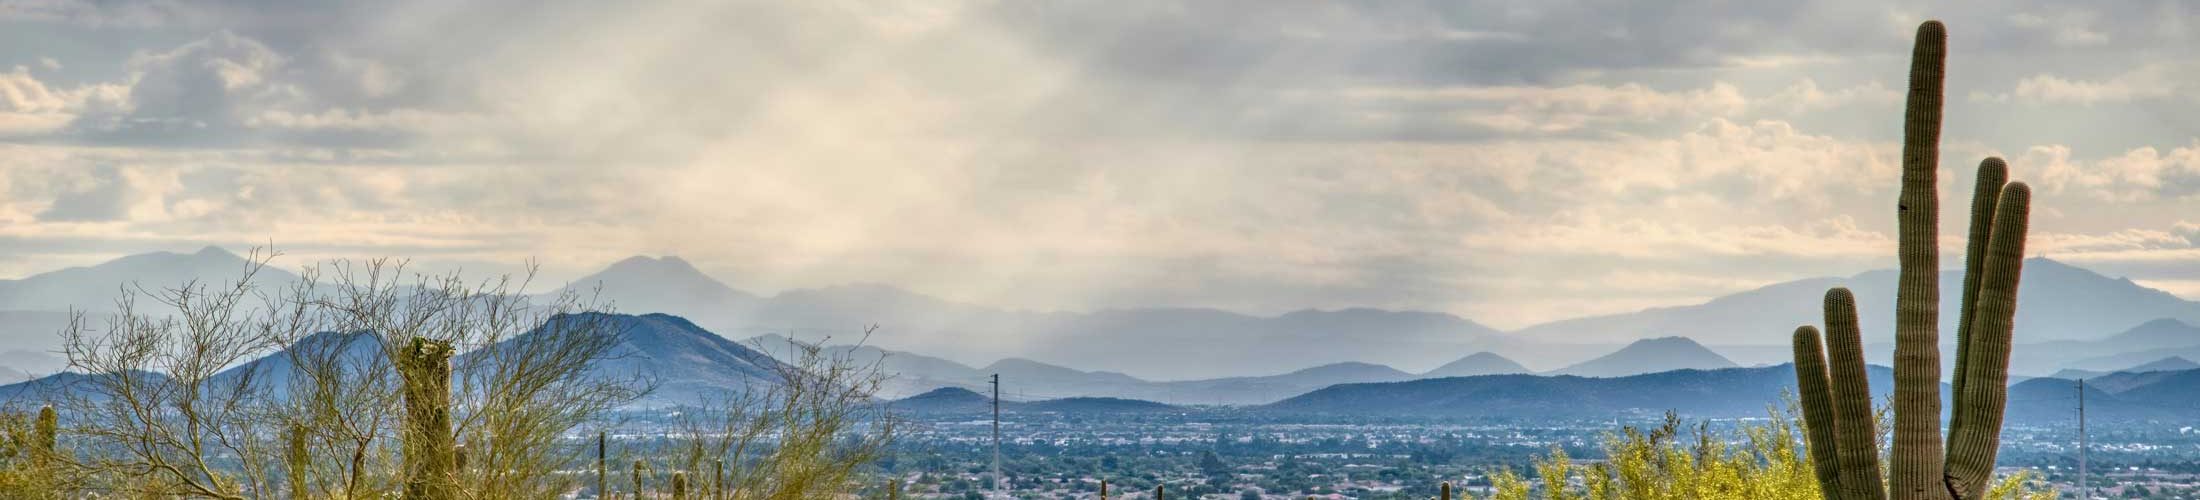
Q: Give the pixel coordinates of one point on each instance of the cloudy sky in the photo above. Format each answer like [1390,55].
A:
[1512,162]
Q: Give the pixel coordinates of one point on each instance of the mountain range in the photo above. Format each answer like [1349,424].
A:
[2069,318]
[689,364]
[960,400]
[2055,301]
[911,374]
[683,363]
[1723,393]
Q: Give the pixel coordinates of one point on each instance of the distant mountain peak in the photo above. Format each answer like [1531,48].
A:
[668,264]
[1480,363]
[2172,363]
[1651,355]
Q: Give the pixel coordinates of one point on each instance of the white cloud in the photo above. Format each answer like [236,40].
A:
[2149,82]
[2141,174]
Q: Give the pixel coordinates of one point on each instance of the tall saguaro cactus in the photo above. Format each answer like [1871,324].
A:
[1831,377]
[431,457]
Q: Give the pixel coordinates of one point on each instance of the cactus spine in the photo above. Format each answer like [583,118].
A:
[295,456]
[430,449]
[1831,377]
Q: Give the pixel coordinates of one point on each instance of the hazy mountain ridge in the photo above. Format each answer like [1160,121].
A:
[2056,301]
[1724,393]
[1480,363]
[1024,379]
[1144,345]
[960,400]
[1155,343]
[687,364]
[1650,356]
[2169,364]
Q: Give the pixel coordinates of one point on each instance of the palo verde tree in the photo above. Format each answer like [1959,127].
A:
[356,388]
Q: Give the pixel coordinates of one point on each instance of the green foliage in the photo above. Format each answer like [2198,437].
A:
[1832,377]
[1759,461]
[31,467]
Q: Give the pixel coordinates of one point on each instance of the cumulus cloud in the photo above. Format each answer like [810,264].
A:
[2140,174]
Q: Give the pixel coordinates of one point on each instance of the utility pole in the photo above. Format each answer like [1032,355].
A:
[1000,484]
[2082,445]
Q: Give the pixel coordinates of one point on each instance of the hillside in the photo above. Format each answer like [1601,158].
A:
[688,363]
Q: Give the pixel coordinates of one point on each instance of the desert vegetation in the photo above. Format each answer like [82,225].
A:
[366,381]
[1765,460]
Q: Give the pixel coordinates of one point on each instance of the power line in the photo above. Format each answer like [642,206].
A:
[2083,492]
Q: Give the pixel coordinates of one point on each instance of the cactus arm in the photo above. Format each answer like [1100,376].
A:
[1917,459]
[1985,195]
[1974,440]
[1818,425]
[1854,429]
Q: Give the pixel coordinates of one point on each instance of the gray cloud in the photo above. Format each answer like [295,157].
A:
[1514,161]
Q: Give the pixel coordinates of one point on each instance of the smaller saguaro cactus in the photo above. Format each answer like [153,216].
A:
[893,489]
[602,489]
[718,479]
[1444,491]
[1103,489]
[637,479]
[295,456]
[45,435]
[679,486]
[1160,492]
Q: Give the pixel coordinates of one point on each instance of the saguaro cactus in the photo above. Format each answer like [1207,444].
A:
[295,457]
[1836,398]
[430,449]
[44,434]
[601,492]
[679,486]
[637,479]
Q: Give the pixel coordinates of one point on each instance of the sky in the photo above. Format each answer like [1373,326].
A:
[1509,162]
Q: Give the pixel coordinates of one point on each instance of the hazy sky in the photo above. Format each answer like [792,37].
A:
[1511,162]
